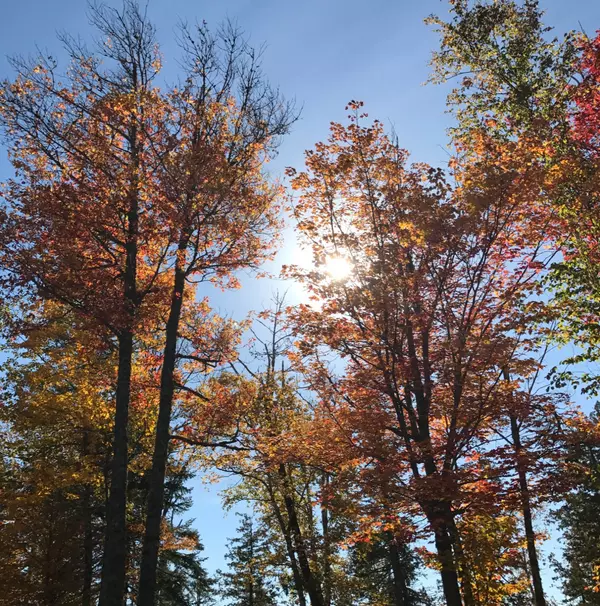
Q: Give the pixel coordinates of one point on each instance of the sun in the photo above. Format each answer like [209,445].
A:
[338,268]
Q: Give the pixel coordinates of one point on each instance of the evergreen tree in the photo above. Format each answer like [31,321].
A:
[385,570]
[579,519]
[181,579]
[248,582]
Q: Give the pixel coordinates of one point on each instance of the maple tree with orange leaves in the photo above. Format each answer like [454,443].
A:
[429,317]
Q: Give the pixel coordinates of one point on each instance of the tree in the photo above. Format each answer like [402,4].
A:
[57,389]
[422,324]
[228,121]
[494,554]
[294,482]
[518,83]
[272,474]
[247,582]
[578,519]
[534,451]
[82,221]
[181,577]
[515,85]
[511,75]
[132,195]
[375,563]
[575,191]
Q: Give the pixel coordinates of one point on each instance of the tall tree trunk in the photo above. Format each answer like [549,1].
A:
[439,517]
[310,582]
[112,586]
[285,530]
[114,559]
[156,488]
[536,576]
[441,520]
[295,570]
[401,591]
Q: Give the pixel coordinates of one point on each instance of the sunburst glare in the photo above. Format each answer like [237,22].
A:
[338,268]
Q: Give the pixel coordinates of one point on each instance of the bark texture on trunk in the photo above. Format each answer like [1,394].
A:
[439,516]
[114,560]
[112,586]
[156,488]
[327,589]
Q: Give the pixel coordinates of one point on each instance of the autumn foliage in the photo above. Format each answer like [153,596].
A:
[409,412]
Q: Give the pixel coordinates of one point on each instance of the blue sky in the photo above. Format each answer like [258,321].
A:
[323,53]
